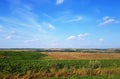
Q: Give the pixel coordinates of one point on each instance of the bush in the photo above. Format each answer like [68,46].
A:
[95,64]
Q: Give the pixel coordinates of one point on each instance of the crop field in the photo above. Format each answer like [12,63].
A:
[79,56]
[59,65]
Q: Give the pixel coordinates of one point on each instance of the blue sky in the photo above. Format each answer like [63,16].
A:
[59,24]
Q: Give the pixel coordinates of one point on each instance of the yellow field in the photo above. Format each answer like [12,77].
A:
[80,56]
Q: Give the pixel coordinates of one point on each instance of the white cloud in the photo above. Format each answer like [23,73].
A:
[25,18]
[48,16]
[8,20]
[50,26]
[31,41]
[101,39]
[8,37]
[29,20]
[75,19]
[78,37]
[58,2]
[64,17]
[71,38]
[108,20]
[81,36]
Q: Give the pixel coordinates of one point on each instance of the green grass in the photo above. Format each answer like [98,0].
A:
[22,66]
[88,77]
[20,55]
[17,62]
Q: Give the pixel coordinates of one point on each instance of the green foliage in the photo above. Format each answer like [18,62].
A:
[17,62]
[22,66]
[95,64]
[20,55]
[88,77]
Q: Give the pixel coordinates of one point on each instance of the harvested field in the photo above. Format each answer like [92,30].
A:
[80,56]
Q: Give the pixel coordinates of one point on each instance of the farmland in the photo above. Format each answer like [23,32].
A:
[58,65]
[80,56]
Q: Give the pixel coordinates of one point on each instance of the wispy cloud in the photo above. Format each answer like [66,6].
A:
[26,18]
[50,26]
[58,2]
[31,41]
[30,27]
[71,38]
[81,36]
[78,37]
[101,40]
[10,36]
[7,20]
[65,17]
[48,16]
[108,20]
[75,19]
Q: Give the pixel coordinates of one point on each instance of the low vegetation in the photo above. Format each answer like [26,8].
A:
[20,55]
[36,65]
[81,55]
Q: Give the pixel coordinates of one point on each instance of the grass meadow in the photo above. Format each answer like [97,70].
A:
[58,65]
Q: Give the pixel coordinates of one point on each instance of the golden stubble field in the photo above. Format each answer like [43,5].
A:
[81,56]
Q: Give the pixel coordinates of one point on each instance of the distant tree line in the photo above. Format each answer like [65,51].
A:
[64,50]
[80,50]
